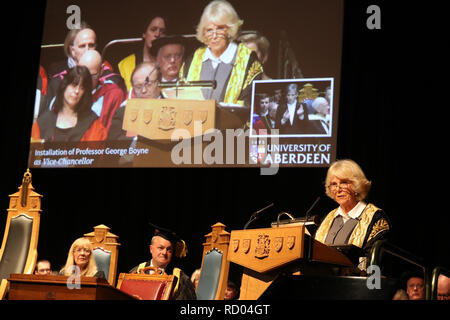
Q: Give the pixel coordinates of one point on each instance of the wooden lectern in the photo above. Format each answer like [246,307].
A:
[265,253]
[158,119]
[55,287]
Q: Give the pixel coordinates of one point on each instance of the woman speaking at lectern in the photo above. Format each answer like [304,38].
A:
[354,222]
[231,64]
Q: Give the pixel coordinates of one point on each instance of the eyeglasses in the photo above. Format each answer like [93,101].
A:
[219,31]
[175,57]
[415,285]
[148,85]
[343,185]
[81,250]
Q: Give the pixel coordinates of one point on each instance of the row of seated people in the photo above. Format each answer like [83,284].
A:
[413,286]
[289,115]
[164,245]
[87,114]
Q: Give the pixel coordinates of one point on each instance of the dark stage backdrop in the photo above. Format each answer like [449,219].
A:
[384,125]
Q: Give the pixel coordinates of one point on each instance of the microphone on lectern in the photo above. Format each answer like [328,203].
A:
[310,209]
[256,214]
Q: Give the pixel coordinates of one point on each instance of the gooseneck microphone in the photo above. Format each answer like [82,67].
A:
[310,209]
[256,215]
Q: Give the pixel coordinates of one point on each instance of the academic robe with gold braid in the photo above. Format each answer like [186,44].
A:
[373,225]
[246,68]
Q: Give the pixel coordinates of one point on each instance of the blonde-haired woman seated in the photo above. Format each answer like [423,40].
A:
[233,65]
[81,261]
[354,222]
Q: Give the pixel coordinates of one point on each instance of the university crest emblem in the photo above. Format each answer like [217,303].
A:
[167,118]
[246,245]
[188,115]
[290,242]
[148,115]
[262,246]
[235,245]
[134,114]
[278,244]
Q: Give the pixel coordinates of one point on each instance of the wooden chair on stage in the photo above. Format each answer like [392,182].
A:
[157,286]
[215,265]
[106,251]
[18,252]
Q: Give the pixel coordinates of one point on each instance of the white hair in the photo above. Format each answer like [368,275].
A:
[318,101]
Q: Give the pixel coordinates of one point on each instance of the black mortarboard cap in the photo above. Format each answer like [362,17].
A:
[161,42]
[178,244]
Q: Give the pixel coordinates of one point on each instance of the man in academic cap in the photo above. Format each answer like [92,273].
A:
[164,245]
[169,52]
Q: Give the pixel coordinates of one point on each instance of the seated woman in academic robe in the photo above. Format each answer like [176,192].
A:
[232,65]
[354,222]
[71,118]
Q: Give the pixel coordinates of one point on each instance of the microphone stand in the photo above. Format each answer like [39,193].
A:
[310,240]
[188,84]
[255,215]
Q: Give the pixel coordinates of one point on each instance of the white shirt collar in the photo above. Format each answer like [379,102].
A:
[355,212]
[165,80]
[151,265]
[291,108]
[226,57]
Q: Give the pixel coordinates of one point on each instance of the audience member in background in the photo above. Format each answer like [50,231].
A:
[273,107]
[40,102]
[155,28]
[233,66]
[354,222]
[106,95]
[81,261]
[77,42]
[71,118]
[169,52]
[443,290]
[400,294]
[259,44]
[43,267]
[232,291]
[195,277]
[321,113]
[145,80]
[415,288]
[328,94]
[261,120]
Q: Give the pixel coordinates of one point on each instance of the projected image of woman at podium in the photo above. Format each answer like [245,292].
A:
[354,222]
[81,261]
[234,66]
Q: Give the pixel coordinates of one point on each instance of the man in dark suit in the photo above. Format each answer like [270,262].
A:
[293,117]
